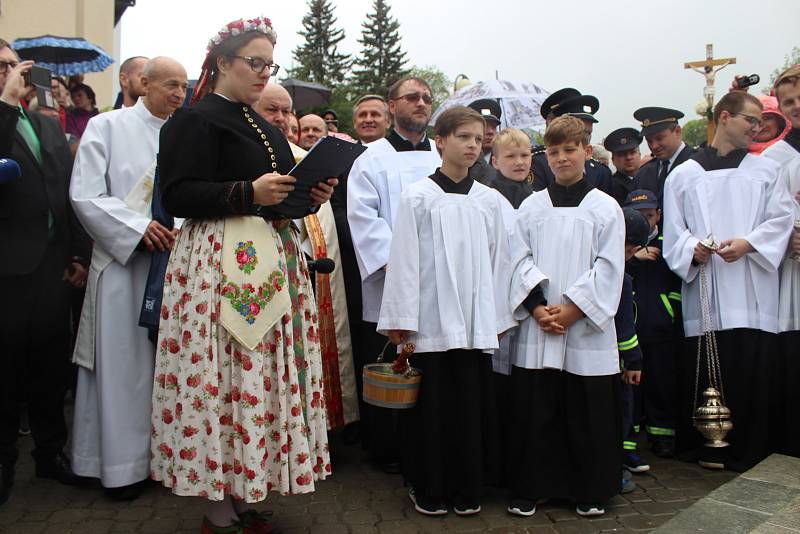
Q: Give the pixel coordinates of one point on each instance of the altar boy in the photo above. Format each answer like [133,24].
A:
[568,260]
[446,291]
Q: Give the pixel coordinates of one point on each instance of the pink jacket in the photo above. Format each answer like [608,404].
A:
[770,104]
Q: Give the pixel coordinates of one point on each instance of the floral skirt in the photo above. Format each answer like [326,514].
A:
[227,420]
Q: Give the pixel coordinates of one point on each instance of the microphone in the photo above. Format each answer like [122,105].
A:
[322,266]
[9,170]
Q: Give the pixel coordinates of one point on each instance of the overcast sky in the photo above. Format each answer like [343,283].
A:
[628,53]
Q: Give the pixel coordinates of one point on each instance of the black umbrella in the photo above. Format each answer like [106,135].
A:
[64,56]
[307,94]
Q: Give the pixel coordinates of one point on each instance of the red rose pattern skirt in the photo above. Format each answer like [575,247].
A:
[227,420]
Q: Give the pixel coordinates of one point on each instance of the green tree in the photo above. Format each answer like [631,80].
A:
[695,132]
[382,61]
[790,59]
[318,59]
[438,80]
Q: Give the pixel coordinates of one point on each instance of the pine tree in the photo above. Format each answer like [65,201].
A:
[382,61]
[318,59]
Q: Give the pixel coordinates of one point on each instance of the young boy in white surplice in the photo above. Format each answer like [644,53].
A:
[568,262]
[446,291]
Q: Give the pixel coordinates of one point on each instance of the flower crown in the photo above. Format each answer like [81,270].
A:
[258,24]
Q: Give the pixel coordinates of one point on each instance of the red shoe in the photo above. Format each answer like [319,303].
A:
[255,522]
[210,528]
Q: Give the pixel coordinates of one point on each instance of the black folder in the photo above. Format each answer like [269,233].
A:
[328,158]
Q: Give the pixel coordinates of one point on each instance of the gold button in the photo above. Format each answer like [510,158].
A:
[274,165]
[244,108]
[272,157]
[249,119]
[254,125]
[270,149]
[262,135]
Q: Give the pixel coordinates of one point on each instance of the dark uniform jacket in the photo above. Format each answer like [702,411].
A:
[657,297]
[625,323]
[621,185]
[647,175]
[42,191]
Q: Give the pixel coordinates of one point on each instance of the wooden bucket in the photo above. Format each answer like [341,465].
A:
[386,389]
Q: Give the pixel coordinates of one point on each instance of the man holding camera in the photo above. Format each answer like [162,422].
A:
[43,251]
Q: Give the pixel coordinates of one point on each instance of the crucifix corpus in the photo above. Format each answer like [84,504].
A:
[709,68]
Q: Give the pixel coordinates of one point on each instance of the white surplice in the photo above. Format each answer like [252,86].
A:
[111,429]
[374,185]
[789,303]
[750,202]
[577,254]
[447,276]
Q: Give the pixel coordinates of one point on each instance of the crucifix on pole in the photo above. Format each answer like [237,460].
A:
[709,68]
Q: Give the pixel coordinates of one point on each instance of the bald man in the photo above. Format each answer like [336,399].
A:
[130,80]
[275,105]
[312,128]
[112,183]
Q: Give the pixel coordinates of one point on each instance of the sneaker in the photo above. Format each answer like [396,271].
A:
[634,463]
[425,505]
[522,507]
[464,506]
[628,486]
[591,509]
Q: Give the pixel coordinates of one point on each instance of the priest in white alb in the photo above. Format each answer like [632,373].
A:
[743,202]
[787,153]
[374,185]
[110,192]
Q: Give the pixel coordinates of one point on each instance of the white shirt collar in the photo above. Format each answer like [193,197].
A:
[675,155]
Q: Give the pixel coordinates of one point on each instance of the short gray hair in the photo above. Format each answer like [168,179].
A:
[366,98]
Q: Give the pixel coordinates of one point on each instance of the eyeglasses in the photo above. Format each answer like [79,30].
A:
[754,122]
[258,65]
[5,66]
[413,98]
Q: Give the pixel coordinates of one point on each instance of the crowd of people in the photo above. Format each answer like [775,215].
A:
[555,308]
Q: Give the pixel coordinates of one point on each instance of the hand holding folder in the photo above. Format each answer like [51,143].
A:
[328,158]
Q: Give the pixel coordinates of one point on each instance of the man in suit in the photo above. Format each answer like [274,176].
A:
[42,252]
[663,134]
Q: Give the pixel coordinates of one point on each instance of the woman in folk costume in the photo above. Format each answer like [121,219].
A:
[238,407]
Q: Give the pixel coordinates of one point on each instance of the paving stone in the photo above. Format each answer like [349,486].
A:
[329,529]
[25,527]
[778,469]
[138,513]
[167,525]
[643,522]
[709,516]
[101,526]
[398,527]
[581,526]
[68,516]
[127,526]
[755,495]
[360,517]
[363,529]
[666,495]
[655,508]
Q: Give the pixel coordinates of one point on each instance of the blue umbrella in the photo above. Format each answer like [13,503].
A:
[64,56]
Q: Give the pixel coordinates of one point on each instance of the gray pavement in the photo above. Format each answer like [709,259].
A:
[358,499]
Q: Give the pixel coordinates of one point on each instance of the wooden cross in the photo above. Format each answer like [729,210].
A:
[707,69]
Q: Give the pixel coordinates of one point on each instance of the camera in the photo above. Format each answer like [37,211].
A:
[746,81]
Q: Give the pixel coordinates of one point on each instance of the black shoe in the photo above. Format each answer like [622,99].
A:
[127,493]
[391,467]
[426,505]
[664,448]
[57,468]
[522,507]
[6,481]
[466,506]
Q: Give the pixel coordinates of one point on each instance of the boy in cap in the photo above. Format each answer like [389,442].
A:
[657,293]
[569,101]
[665,138]
[623,143]
[482,171]
[637,230]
